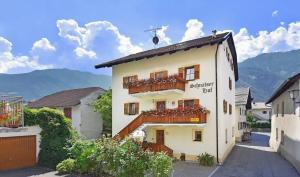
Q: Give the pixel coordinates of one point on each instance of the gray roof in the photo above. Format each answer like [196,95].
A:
[66,98]
[243,96]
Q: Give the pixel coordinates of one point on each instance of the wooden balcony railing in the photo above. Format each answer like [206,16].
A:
[152,85]
[195,115]
[155,147]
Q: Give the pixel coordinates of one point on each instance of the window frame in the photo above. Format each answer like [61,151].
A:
[195,136]
[186,73]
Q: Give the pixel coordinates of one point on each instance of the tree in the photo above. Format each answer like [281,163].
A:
[250,119]
[103,106]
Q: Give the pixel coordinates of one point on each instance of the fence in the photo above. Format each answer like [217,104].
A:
[11,111]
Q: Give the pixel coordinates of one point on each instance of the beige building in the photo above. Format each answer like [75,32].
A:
[261,112]
[243,101]
[179,98]
[76,104]
[285,128]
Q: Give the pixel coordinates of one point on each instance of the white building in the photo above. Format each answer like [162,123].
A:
[285,128]
[261,112]
[243,101]
[76,104]
[181,96]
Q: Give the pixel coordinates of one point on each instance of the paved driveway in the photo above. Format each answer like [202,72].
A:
[256,159]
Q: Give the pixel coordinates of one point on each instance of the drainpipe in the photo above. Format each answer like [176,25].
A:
[217,110]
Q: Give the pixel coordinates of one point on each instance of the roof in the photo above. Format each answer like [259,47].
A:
[64,98]
[284,86]
[260,105]
[243,96]
[183,46]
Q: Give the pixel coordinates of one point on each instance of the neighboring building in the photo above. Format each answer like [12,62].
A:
[179,97]
[261,112]
[242,104]
[76,104]
[285,127]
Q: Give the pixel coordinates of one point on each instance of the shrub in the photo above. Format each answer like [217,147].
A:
[161,165]
[56,137]
[66,166]
[30,117]
[261,125]
[206,159]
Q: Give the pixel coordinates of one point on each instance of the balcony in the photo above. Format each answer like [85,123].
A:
[193,115]
[153,87]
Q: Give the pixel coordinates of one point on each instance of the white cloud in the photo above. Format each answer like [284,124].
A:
[8,61]
[281,39]
[282,23]
[83,37]
[275,13]
[194,30]
[162,35]
[81,52]
[43,44]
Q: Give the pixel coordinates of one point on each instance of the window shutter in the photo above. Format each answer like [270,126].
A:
[197,71]
[152,75]
[126,108]
[181,72]
[125,82]
[180,104]
[196,103]
[136,108]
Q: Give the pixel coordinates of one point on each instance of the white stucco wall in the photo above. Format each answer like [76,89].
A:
[205,56]
[290,124]
[91,122]
[239,117]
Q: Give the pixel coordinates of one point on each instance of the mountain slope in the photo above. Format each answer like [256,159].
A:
[265,72]
[36,84]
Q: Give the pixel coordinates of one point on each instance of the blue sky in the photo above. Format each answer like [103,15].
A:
[39,34]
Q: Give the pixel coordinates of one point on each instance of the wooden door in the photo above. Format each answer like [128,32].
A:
[160,105]
[17,152]
[160,136]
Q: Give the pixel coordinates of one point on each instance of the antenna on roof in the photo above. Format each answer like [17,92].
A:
[155,38]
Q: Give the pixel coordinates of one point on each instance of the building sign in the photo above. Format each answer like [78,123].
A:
[205,87]
[195,119]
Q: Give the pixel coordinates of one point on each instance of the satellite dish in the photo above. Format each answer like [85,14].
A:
[155,38]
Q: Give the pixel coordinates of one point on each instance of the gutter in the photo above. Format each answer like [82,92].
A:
[217,110]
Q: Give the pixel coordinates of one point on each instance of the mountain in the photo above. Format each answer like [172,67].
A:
[264,73]
[39,83]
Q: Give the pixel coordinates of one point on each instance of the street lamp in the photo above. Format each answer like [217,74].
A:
[293,95]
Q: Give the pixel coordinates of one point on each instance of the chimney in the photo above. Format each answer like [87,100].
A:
[214,33]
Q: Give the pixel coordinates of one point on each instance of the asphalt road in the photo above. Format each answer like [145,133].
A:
[256,159]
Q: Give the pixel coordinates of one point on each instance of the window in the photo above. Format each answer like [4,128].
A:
[197,135]
[276,134]
[159,75]
[230,84]
[282,137]
[188,103]
[68,112]
[226,136]
[277,110]
[240,111]
[232,131]
[230,109]
[282,108]
[128,79]
[264,112]
[131,108]
[225,106]
[190,73]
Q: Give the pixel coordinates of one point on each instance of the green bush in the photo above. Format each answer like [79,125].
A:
[160,165]
[206,159]
[261,125]
[30,117]
[66,166]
